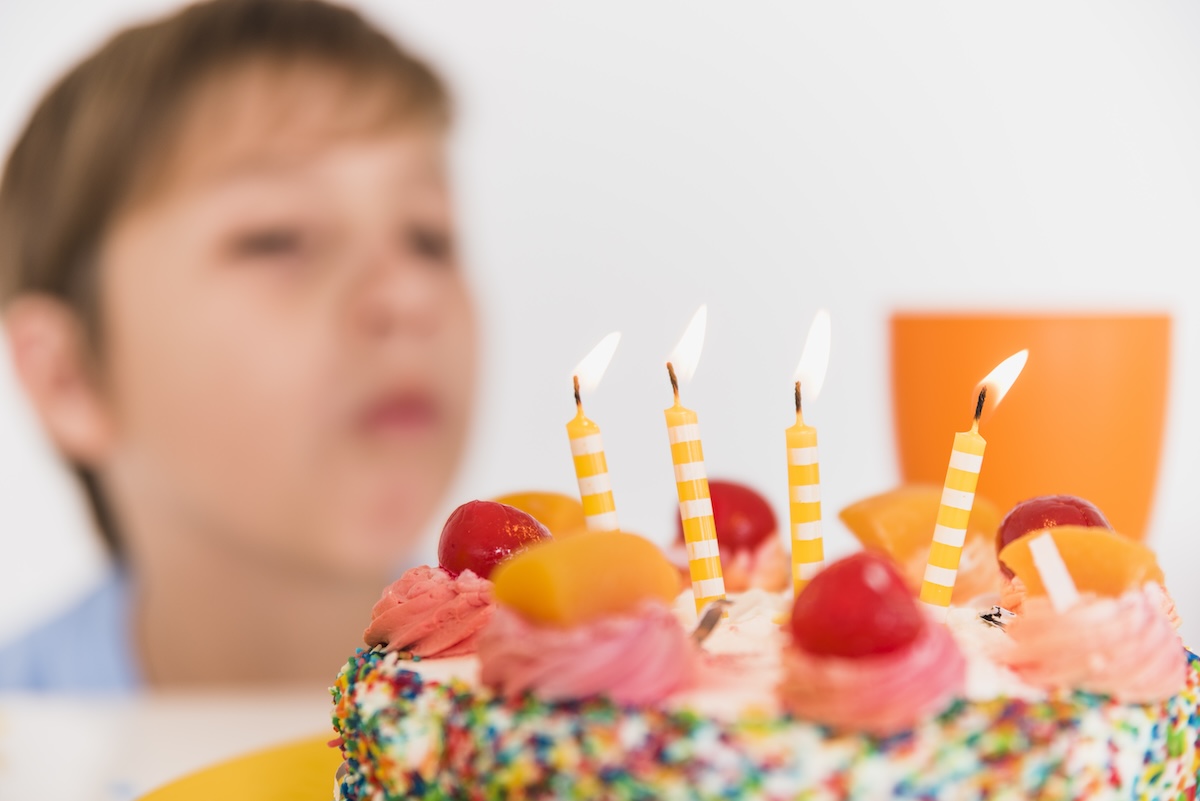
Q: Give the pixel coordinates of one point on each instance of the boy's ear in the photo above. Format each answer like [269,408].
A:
[52,361]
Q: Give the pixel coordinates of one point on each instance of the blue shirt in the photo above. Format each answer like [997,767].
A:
[87,649]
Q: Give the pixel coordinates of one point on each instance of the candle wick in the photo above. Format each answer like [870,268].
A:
[674,380]
[799,405]
[578,401]
[979,403]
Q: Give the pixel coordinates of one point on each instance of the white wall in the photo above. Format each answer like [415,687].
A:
[623,162]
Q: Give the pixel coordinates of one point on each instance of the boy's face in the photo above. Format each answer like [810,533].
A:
[288,340]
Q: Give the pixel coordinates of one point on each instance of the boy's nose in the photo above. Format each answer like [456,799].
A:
[397,294]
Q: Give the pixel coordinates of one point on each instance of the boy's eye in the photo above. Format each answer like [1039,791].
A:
[267,242]
[430,242]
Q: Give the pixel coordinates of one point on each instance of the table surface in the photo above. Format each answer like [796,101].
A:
[91,749]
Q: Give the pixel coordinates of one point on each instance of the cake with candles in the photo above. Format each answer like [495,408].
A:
[958,655]
[527,665]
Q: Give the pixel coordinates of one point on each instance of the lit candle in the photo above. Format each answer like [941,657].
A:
[804,472]
[587,448]
[691,480]
[958,492]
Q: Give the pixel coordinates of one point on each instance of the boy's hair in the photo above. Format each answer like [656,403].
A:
[89,144]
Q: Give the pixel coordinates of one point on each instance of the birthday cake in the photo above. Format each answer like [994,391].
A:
[531,666]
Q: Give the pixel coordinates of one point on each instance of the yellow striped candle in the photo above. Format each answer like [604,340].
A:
[587,448]
[695,503]
[591,469]
[804,493]
[804,471]
[958,493]
[958,496]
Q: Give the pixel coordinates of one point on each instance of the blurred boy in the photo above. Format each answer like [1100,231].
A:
[232,292]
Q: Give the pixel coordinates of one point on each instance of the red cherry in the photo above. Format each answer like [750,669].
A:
[1047,511]
[481,534]
[743,518]
[858,606]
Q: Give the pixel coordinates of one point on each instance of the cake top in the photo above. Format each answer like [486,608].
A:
[597,614]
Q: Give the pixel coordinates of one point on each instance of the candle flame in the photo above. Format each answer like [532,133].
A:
[1000,380]
[591,369]
[686,355]
[814,359]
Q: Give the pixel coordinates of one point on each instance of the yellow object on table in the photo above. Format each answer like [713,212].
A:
[299,771]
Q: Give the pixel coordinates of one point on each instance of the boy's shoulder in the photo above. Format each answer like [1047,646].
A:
[85,649]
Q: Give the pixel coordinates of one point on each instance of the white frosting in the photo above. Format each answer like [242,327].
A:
[460,668]
[742,666]
[981,644]
[752,621]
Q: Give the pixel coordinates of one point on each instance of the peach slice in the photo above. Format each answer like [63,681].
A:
[562,514]
[1099,560]
[900,524]
[575,580]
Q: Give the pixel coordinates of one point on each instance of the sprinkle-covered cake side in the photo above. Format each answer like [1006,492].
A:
[406,737]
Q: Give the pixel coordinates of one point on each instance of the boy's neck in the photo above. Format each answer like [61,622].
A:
[208,614]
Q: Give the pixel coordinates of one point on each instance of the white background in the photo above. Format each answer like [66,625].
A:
[621,163]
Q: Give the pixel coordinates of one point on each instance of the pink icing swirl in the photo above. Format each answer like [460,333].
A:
[879,695]
[1012,598]
[431,613]
[637,659]
[1122,647]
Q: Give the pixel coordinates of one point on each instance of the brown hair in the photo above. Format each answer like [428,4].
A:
[93,140]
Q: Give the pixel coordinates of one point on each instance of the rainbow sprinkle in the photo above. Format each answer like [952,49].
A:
[403,737]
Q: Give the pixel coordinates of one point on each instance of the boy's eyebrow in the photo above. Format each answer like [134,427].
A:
[425,177]
[259,165]
[263,156]
[268,155]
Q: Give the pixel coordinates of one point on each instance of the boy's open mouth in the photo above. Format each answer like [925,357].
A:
[401,413]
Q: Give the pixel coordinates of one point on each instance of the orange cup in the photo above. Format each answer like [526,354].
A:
[1085,418]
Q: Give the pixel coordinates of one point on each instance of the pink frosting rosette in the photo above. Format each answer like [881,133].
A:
[639,658]
[430,613]
[1012,598]
[1124,647]
[880,694]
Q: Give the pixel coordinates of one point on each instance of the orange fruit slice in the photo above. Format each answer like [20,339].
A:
[1100,561]
[562,514]
[579,579]
[900,523]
